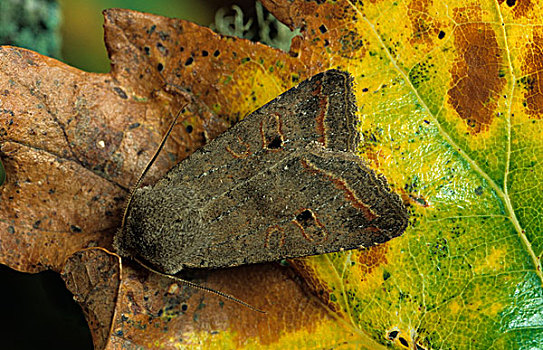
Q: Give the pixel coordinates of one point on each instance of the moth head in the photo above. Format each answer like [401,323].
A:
[159,224]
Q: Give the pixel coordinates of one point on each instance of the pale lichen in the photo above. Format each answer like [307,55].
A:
[266,29]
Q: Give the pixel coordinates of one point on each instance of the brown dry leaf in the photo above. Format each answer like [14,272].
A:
[93,276]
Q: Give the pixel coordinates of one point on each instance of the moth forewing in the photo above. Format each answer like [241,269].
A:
[281,183]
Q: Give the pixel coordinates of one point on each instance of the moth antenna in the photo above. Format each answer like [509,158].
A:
[148,166]
[204,288]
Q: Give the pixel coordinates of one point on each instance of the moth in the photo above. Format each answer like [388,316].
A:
[282,183]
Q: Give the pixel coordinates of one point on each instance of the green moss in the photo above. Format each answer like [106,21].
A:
[32,24]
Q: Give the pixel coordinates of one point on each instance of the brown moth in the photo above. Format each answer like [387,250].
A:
[282,183]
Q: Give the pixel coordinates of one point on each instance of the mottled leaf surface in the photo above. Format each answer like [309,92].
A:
[450,104]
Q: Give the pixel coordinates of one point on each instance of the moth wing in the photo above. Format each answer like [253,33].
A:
[283,182]
[315,201]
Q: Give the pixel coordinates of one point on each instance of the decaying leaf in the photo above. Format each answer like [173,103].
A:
[2,174]
[450,106]
[93,276]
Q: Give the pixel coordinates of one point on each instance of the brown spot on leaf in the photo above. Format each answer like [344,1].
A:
[369,259]
[532,80]
[424,26]
[476,81]
[521,8]
[465,15]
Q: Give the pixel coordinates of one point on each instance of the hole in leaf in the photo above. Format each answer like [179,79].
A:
[392,335]
[404,342]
